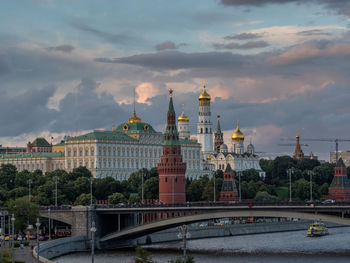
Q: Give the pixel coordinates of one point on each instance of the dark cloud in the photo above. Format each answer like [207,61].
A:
[80,110]
[243,36]
[120,38]
[27,112]
[85,109]
[165,46]
[4,65]
[177,60]
[247,45]
[313,32]
[62,48]
[341,7]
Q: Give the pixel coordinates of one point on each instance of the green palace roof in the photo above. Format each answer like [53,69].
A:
[103,135]
[188,141]
[41,142]
[31,155]
[60,144]
[136,127]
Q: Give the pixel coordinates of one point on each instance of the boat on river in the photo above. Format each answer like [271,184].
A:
[317,229]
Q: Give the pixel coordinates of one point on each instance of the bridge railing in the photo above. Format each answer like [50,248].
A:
[201,204]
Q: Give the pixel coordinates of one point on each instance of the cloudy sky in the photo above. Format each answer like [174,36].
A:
[280,67]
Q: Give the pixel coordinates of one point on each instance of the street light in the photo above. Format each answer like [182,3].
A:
[310,174]
[37,238]
[214,178]
[13,240]
[142,190]
[184,234]
[239,186]
[29,182]
[56,191]
[49,210]
[93,230]
[290,171]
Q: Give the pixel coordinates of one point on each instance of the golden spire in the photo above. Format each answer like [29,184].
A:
[204,95]
[134,118]
[183,117]
[237,134]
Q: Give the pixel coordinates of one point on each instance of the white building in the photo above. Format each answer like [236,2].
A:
[238,159]
[204,126]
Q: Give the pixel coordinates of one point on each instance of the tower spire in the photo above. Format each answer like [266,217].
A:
[134,118]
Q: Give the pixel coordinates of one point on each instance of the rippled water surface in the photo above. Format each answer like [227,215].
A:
[275,247]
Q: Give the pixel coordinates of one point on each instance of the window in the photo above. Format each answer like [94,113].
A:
[80,152]
[74,152]
[69,152]
[86,152]
[201,130]
[92,150]
[166,179]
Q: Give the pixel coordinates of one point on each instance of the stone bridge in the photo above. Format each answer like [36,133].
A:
[120,225]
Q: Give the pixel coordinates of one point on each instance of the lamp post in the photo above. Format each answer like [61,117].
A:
[29,183]
[37,239]
[2,236]
[93,230]
[13,236]
[91,191]
[239,186]
[214,178]
[184,234]
[56,191]
[310,174]
[142,190]
[290,171]
[49,210]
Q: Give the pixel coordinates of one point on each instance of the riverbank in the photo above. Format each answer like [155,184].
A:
[291,246]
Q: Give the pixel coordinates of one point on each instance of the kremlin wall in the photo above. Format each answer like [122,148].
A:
[135,144]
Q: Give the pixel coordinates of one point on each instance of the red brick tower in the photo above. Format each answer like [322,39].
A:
[171,169]
[229,190]
[298,152]
[339,189]
[218,137]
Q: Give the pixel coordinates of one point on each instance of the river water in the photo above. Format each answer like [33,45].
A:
[288,247]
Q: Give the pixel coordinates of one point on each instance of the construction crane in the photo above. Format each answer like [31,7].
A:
[335,140]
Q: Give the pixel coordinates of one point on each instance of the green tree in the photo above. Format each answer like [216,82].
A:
[324,189]
[84,199]
[151,188]
[116,198]
[265,197]
[82,185]
[189,259]
[103,187]
[134,199]
[143,256]
[24,211]
[7,176]
[195,189]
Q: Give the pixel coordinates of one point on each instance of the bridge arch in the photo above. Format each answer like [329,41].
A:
[146,229]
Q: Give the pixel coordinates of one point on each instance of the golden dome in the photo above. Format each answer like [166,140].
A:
[237,135]
[204,95]
[134,118]
[183,117]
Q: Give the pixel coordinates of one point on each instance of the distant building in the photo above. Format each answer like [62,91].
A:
[40,145]
[345,156]
[6,150]
[339,189]
[229,190]
[237,158]
[298,152]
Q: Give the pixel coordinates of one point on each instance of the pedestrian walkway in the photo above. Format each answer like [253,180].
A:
[25,254]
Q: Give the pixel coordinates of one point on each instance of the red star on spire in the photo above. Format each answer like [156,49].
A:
[170,92]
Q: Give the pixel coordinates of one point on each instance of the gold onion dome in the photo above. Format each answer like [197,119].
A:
[204,95]
[237,134]
[134,118]
[183,117]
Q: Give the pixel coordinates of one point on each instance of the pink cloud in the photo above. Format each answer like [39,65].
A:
[310,50]
[145,91]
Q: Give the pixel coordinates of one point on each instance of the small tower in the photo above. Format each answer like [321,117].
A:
[339,189]
[237,141]
[204,126]
[218,137]
[184,125]
[229,190]
[298,153]
[171,169]
[250,148]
